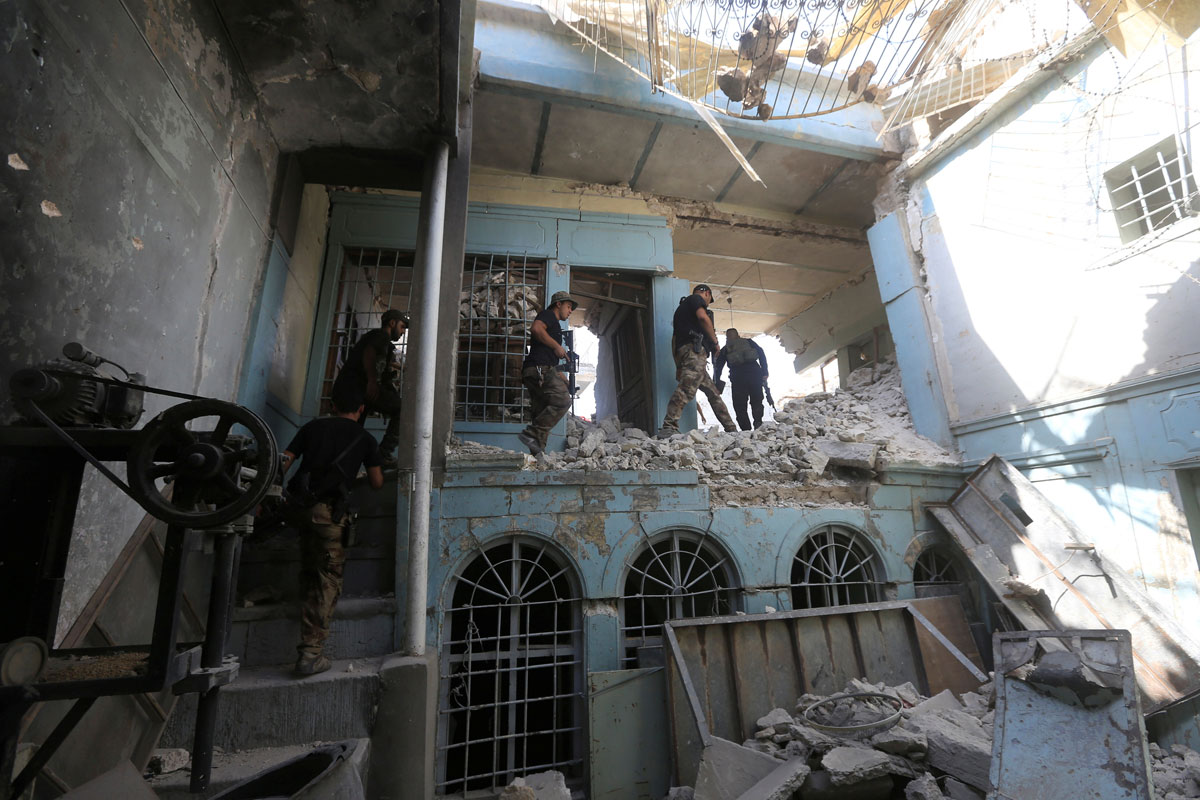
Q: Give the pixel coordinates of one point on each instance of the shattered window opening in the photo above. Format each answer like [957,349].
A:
[500,298]
[835,566]
[371,280]
[511,671]
[676,576]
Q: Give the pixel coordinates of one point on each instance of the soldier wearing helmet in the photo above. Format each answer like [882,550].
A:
[371,369]
[549,397]
[694,336]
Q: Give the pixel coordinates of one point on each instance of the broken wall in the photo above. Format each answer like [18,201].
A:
[137,200]
[848,312]
[1025,327]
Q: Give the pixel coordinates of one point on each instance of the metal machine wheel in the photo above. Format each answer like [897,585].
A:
[214,477]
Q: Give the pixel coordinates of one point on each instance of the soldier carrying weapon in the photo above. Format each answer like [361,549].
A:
[694,335]
[748,374]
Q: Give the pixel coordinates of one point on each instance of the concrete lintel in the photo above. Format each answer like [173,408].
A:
[552,67]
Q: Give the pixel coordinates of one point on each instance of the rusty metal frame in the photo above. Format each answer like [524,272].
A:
[693,698]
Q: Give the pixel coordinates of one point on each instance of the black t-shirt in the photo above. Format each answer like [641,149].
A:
[539,354]
[375,338]
[685,321]
[320,442]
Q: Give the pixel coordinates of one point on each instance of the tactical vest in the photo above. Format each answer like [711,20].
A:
[740,351]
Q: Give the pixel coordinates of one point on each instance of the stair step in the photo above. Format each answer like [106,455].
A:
[268,634]
[271,707]
[370,563]
[229,769]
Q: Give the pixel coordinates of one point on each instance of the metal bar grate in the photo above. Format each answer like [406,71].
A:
[511,672]
[835,567]
[500,298]
[370,281]
[1151,190]
[679,575]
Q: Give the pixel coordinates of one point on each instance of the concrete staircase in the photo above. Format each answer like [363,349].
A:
[268,715]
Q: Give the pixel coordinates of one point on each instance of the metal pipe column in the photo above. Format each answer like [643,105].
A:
[426,365]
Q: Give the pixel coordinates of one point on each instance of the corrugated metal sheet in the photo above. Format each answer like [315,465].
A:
[726,672]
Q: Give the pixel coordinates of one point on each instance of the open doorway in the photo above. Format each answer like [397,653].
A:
[615,307]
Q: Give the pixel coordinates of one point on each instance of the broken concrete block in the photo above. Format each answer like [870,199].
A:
[591,441]
[549,785]
[681,793]
[848,454]
[847,765]
[943,700]
[727,770]
[774,718]
[517,792]
[796,749]
[812,738]
[956,744]
[900,741]
[168,760]
[780,784]
[957,790]
[974,704]
[925,787]
[906,692]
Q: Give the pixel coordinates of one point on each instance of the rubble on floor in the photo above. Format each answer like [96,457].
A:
[824,440]
[550,785]
[1176,772]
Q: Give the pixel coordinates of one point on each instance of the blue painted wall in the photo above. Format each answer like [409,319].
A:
[598,521]
[1025,327]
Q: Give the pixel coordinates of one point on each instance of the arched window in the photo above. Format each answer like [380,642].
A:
[836,566]
[511,670]
[675,575]
[937,572]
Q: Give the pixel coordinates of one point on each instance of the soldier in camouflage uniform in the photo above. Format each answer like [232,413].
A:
[549,396]
[695,338]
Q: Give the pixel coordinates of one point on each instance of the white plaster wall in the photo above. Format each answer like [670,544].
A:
[1036,297]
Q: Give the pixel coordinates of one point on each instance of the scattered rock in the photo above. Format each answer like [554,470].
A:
[550,785]
[925,787]
[168,760]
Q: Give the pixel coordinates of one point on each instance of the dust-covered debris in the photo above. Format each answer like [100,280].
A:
[816,451]
[16,162]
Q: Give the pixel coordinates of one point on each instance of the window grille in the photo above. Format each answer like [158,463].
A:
[1151,190]
[835,566]
[371,281]
[679,575]
[511,672]
[500,298]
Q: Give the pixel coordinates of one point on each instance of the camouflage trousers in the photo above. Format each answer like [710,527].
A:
[322,561]
[691,372]
[549,400]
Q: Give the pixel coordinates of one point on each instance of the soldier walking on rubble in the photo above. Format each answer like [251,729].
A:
[330,450]
[694,337]
[371,369]
[748,374]
[549,397]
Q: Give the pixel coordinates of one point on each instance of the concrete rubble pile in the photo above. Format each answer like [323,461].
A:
[500,302]
[939,747]
[825,439]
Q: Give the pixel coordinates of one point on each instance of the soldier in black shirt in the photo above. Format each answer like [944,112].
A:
[694,336]
[549,397]
[368,368]
[330,450]
[748,374]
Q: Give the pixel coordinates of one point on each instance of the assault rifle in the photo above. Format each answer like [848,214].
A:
[572,365]
[770,400]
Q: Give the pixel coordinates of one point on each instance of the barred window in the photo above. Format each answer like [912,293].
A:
[371,280]
[511,699]
[1151,190]
[675,576]
[835,566]
[500,298]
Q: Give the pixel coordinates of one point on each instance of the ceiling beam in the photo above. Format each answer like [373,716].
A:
[538,148]
[762,261]
[757,289]
[650,140]
[828,182]
[737,172]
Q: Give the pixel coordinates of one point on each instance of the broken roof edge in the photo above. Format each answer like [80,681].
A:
[999,100]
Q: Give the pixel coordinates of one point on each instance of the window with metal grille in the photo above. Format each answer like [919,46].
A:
[1152,190]
[835,566]
[938,573]
[677,575]
[371,280]
[511,671]
[500,298]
